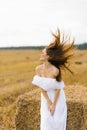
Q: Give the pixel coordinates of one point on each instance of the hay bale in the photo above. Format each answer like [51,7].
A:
[78,62]
[28,112]
[76,118]
[28,117]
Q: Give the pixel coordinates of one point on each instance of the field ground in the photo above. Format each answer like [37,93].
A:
[17,68]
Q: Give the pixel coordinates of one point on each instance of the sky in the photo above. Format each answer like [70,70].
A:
[30,22]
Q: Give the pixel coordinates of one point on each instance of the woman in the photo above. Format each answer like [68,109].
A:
[48,77]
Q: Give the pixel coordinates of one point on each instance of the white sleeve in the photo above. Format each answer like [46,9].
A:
[47,85]
[59,85]
[39,83]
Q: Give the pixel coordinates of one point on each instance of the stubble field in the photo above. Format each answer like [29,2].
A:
[17,68]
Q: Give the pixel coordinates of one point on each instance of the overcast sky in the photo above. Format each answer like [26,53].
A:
[30,22]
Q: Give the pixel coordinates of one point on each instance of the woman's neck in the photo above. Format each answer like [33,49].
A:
[46,64]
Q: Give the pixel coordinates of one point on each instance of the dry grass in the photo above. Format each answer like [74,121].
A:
[17,68]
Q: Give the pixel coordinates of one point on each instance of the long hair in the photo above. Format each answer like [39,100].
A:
[59,52]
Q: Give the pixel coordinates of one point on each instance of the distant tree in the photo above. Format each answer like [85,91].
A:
[82,46]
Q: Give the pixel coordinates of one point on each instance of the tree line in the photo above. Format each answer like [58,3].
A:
[82,46]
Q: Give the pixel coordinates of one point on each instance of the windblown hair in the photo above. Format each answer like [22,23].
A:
[60,51]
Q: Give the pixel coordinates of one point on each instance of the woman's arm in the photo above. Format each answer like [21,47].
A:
[56,72]
[52,107]
[42,90]
[45,95]
[56,96]
[37,69]
[49,102]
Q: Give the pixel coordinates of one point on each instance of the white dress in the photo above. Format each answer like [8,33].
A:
[58,120]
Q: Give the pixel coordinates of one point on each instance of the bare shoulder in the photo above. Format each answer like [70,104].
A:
[37,69]
[55,71]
